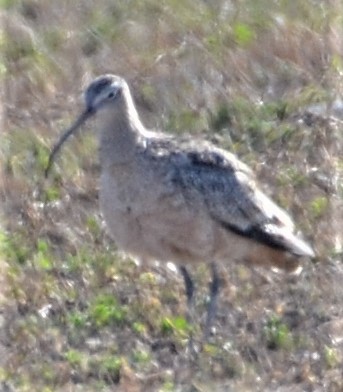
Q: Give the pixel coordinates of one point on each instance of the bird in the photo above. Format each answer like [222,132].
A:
[180,199]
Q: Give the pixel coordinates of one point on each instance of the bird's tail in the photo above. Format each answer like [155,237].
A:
[288,256]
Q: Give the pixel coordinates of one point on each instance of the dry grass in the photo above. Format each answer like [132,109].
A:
[262,80]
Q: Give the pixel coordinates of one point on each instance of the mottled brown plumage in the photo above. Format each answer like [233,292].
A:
[181,200]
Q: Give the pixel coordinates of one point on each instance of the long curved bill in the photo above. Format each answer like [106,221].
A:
[83,117]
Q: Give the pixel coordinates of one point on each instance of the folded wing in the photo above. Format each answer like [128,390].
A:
[235,202]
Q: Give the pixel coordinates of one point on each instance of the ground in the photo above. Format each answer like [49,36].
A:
[261,79]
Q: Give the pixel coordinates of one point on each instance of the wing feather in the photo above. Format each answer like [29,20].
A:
[234,200]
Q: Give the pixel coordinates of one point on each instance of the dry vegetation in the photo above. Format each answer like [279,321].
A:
[261,78]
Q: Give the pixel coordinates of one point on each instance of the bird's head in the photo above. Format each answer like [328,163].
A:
[106,91]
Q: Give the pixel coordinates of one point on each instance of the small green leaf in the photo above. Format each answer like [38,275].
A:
[73,357]
[277,334]
[177,324]
[243,34]
[319,206]
[106,310]
[331,356]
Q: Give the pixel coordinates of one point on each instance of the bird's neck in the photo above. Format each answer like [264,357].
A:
[120,131]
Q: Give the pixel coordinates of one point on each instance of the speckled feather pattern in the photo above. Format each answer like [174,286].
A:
[179,199]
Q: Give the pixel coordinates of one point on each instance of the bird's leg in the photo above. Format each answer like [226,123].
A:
[212,306]
[189,286]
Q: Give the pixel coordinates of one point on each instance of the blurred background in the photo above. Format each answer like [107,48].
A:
[262,79]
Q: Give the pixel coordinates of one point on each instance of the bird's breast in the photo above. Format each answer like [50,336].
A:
[148,218]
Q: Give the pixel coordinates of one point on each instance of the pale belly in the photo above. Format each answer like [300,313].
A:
[154,223]
[150,221]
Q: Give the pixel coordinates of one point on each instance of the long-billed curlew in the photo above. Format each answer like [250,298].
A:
[178,200]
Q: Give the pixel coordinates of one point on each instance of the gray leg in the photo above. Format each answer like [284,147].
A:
[212,306]
[189,286]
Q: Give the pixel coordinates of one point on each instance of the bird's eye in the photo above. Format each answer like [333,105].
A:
[111,95]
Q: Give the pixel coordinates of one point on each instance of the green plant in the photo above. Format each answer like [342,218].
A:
[277,334]
[106,310]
